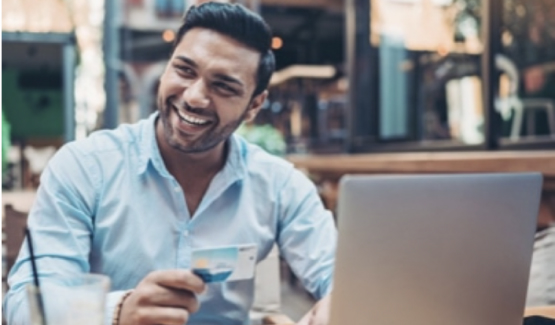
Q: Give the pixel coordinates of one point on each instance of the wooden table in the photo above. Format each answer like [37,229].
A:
[326,170]
[545,311]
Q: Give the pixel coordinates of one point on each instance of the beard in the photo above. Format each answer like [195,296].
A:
[209,139]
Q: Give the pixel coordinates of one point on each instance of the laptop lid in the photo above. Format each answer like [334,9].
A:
[434,249]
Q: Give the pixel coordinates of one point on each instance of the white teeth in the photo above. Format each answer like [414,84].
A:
[191,119]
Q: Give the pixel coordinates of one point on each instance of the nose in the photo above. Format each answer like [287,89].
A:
[195,95]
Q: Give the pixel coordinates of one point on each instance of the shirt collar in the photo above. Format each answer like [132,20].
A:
[147,141]
[236,164]
[234,167]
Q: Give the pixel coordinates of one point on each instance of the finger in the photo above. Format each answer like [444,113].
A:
[165,296]
[163,315]
[180,279]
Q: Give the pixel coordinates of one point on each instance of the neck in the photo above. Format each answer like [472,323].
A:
[190,165]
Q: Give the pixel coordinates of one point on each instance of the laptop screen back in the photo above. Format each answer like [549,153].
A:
[434,249]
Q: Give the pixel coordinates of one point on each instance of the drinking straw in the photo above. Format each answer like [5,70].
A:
[35,276]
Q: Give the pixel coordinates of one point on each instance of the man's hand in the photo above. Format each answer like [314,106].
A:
[319,314]
[162,297]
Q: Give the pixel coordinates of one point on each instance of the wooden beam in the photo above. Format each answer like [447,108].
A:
[432,162]
[326,170]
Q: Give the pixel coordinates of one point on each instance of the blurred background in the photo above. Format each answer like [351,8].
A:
[353,77]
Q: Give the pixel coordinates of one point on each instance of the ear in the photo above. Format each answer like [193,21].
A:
[255,106]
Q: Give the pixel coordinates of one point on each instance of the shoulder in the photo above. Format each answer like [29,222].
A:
[112,147]
[264,166]
[108,141]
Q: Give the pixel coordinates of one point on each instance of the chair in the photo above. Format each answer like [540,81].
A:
[13,232]
[521,106]
[531,105]
[15,224]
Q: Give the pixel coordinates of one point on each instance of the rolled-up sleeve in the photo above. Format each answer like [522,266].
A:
[307,235]
[62,224]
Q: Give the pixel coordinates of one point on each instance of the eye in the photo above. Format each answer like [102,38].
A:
[184,70]
[225,88]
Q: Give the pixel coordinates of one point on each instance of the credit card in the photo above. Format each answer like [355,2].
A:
[229,263]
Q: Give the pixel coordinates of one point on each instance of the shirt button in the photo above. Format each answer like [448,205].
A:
[177,189]
[186,233]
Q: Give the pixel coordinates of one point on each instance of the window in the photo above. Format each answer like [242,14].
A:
[526,103]
[417,75]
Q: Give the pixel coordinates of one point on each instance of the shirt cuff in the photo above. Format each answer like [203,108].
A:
[112,300]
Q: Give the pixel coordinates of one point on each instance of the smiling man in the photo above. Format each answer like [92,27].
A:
[135,202]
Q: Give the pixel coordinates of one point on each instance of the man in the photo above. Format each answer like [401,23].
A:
[132,203]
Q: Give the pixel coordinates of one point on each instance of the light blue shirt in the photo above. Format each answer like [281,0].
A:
[107,204]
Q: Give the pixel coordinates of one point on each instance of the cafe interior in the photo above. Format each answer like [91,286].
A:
[374,87]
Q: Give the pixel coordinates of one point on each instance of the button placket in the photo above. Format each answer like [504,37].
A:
[179,197]
[185,258]
[184,242]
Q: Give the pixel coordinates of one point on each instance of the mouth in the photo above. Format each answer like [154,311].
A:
[190,119]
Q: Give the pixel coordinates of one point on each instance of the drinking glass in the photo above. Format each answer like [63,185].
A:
[69,300]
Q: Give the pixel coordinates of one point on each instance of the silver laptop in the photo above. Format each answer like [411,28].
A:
[434,249]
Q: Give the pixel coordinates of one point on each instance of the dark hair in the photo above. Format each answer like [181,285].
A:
[239,23]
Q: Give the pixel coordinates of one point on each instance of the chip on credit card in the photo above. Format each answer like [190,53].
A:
[229,263]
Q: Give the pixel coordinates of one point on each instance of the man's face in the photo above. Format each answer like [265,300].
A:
[206,90]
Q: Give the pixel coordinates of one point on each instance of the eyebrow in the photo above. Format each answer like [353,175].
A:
[187,60]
